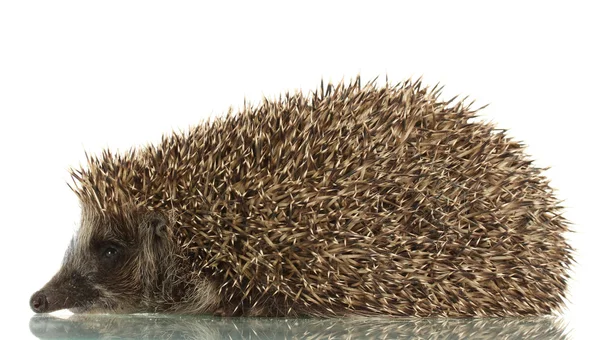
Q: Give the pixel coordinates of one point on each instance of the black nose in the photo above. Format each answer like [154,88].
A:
[39,302]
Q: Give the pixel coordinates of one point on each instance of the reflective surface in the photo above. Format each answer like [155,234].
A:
[158,326]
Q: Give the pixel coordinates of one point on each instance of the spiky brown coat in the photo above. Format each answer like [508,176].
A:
[350,200]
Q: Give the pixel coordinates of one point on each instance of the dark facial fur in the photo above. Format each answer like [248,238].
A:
[119,264]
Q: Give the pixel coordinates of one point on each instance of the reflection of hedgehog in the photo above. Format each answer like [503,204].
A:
[352,200]
[161,326]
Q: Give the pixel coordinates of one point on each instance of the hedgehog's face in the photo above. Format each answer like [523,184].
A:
[111,265]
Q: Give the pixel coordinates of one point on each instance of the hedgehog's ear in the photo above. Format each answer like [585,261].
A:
[155,248]
[157,225]
[155,235]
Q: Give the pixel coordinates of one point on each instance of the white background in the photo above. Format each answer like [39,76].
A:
[85,75]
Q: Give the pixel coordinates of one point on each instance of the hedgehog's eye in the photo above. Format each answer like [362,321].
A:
[109,252]
[109,255]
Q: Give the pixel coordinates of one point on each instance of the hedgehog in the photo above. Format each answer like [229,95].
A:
[350,200]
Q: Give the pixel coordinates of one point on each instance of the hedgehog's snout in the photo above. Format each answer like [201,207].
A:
[39,302]
[66,290]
